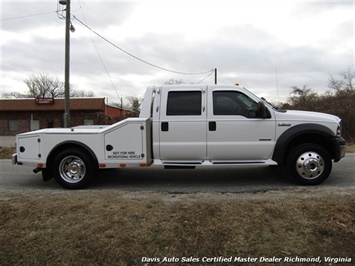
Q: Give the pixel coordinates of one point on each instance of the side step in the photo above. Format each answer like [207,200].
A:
[179,167]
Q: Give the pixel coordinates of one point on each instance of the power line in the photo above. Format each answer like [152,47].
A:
[27,16]
[139,59]
[206,77]
[97,51]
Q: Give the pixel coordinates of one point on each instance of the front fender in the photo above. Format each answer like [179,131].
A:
[314,131]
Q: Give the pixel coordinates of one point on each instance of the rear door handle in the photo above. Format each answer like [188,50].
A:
[164,126]
[212,126]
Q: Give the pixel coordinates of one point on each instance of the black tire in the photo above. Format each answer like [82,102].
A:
[74,169]
[309,164]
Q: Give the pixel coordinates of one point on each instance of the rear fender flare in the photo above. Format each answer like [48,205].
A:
[70,143]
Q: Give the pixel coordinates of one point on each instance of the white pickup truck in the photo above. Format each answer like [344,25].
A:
[188,126]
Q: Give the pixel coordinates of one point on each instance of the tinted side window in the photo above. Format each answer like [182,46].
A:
[233,103]
[184,103]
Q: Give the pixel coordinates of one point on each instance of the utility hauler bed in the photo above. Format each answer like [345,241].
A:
[78,152]
[188,126]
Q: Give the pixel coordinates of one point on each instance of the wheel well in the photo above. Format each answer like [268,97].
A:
[303,133]
[318,139]
[69,145]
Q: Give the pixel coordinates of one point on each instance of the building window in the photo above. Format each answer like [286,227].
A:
[184,103]
[34,125]
[88,122]
[13,125]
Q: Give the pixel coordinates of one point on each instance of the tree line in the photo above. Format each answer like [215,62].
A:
[43,86]
[339,100]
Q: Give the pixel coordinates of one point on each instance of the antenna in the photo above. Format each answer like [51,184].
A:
[277,87]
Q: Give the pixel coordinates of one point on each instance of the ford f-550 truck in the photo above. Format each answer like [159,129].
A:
[188,126]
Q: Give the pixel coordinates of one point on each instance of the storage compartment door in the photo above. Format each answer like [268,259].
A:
[126,144]
[29,148]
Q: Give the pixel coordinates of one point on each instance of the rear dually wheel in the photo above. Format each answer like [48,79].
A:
[73,168]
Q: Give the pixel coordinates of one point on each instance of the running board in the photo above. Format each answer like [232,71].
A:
[172,167]
[236,163]
[206,163]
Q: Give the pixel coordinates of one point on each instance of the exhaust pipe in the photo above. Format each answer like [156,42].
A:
[36,170]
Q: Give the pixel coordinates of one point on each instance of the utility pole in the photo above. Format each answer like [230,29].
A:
[215,76]
[67,64]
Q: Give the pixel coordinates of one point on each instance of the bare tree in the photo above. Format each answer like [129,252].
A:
[43,86]
[302,98]
[346,82]
[15,94]
[173,82]
[134,104]
[81,93]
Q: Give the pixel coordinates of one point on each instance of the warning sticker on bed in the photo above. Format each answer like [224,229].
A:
[131,155]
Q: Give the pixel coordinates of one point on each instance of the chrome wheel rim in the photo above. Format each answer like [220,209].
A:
[310,165]
[72,169]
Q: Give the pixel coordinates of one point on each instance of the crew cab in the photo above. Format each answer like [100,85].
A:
[189,126]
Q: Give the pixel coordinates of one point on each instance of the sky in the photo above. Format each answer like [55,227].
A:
[265,46]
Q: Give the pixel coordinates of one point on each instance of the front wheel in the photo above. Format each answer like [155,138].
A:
[309,164]
[73,169]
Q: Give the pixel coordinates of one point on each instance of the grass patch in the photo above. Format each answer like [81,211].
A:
[350,148]
[100,228]
[6,152]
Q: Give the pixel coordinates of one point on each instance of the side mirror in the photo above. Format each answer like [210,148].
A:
[261,110]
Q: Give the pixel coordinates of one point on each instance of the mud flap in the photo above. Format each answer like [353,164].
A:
[46,175]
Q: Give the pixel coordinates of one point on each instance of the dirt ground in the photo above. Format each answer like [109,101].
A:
[110,227]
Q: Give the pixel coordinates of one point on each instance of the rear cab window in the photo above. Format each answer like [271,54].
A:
[184,103]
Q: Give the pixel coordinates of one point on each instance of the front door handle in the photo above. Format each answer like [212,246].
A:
[164,126]
[212,126]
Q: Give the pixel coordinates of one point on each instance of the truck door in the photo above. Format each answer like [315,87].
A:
[234,132]
[182,125]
